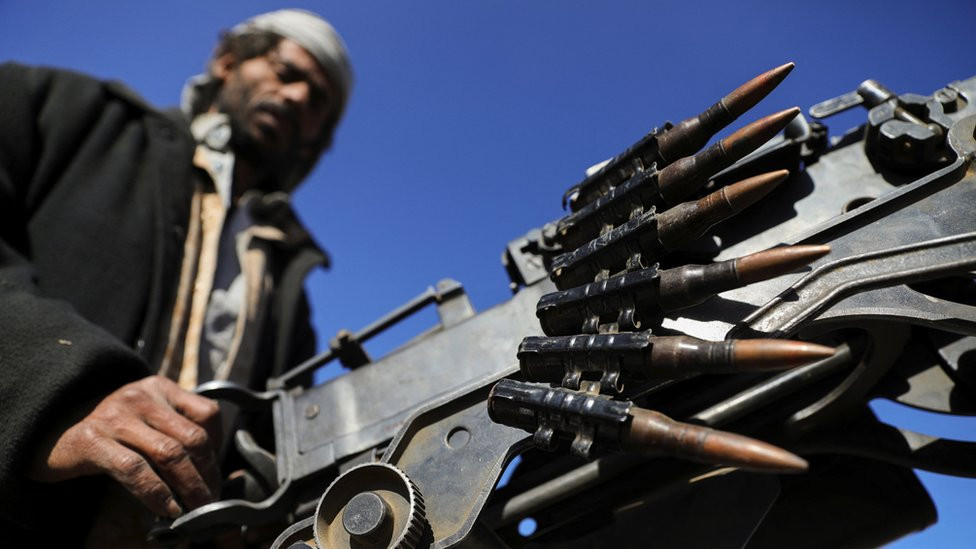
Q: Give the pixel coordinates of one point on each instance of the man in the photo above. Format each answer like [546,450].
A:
[135,242]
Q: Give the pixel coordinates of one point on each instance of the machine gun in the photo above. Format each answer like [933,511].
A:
[625,315]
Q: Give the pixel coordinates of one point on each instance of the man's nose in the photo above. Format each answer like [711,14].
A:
[297,93]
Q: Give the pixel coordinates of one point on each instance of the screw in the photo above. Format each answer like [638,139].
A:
[311,411]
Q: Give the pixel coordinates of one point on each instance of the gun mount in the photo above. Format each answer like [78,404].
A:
[407,450]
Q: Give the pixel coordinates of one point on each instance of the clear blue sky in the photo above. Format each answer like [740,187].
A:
[469,119]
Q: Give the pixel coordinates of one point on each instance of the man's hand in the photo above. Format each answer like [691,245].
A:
[154,438]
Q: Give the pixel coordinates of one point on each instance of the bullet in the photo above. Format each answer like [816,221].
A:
[688,174]
[554,414]
[655,292]
[653,433]
[689,220]
[691,134]
[617,359]
[690,285]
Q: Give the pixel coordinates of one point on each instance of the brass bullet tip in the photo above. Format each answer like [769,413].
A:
[762,457]
[760,355]
[752,92]
[654,433]
[747,192]
[777,261]
[752,136]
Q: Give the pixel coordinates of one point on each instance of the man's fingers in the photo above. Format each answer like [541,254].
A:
[194,438]
[198,409]
[135,474]
[171,460]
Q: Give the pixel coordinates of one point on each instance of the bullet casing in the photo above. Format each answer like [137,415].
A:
[690,285]
[691,134]
[687,174]
[690,220]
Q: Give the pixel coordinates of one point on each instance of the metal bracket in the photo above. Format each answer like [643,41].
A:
[453,306]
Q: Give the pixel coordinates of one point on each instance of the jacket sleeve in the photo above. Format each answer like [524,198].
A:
[53,362]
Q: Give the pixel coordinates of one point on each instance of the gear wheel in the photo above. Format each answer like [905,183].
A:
[371,506]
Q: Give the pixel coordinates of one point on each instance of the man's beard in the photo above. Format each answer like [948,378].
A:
[272,168]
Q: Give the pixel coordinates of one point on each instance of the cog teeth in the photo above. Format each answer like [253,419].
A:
[417,523]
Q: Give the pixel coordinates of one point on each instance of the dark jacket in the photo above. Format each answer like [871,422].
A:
[95,191]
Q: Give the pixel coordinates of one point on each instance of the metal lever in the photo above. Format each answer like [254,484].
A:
[870,93]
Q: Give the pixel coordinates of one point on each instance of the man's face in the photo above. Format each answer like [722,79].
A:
[278,105]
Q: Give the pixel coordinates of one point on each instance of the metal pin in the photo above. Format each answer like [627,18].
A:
[689,220]
[690,285]
[653,433]
[688,174]
[691,134]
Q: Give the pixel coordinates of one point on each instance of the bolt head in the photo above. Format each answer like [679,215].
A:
[365,515]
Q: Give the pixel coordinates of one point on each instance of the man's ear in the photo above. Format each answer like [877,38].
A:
[221,67]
